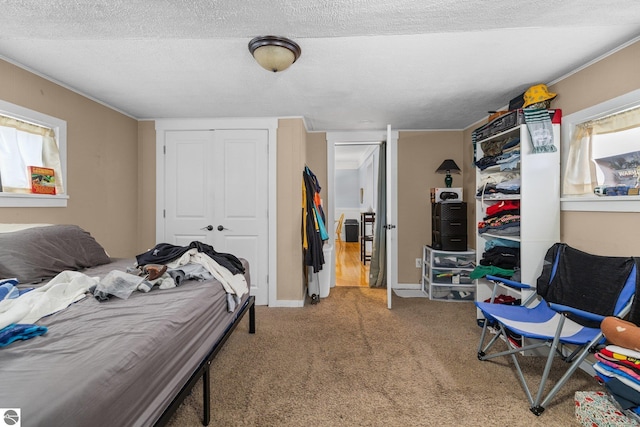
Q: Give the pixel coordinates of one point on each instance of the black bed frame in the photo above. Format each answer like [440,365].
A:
[203,369]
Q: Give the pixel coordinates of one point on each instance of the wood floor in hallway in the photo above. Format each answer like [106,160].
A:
[350,271]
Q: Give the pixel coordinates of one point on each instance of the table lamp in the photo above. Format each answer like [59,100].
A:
[448,167]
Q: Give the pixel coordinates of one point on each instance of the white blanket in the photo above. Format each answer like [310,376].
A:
[64,289]
[234,284]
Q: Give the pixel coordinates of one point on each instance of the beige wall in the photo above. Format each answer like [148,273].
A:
[605,233]
[111,172]
[316,159]
[469,186]
[419,155]
[146,236]
[291,158]
[102,162]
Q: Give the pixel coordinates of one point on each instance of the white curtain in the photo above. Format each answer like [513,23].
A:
[580,174]
[24,144]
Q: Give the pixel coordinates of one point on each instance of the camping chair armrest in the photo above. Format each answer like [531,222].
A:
[510,283]
[581,313]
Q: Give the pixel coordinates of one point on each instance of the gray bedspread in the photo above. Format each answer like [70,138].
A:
[114,363]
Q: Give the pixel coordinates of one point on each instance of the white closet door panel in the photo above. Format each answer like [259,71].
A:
[240,162]
[187,182]
[241,182]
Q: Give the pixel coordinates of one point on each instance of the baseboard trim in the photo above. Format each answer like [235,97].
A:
[408,286]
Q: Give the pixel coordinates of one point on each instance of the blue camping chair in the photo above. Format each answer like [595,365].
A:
[574,293]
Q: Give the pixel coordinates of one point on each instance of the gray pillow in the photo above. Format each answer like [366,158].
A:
[36,254]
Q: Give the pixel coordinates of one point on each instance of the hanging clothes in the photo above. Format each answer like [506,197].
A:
[313,221]
[317,203]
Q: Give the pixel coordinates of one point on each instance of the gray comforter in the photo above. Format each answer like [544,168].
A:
[114,363]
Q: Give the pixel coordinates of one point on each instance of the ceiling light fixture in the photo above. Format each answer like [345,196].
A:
[274,53]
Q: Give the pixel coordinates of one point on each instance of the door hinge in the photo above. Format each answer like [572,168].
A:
[164,149]
[164,213]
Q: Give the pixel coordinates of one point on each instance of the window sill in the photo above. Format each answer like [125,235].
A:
[16,200]
[601,203]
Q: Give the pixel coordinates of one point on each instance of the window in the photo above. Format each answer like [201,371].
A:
[29,138]
[601,156]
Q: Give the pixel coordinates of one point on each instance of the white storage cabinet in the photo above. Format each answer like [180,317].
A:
[445,274]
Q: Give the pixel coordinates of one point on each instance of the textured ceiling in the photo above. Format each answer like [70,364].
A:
[416,64]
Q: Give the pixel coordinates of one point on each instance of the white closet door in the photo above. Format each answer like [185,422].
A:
[216,191]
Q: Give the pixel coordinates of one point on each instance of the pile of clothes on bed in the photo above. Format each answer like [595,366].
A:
[21,308]
[165,266]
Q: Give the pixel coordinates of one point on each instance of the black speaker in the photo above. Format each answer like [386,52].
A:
[449,226]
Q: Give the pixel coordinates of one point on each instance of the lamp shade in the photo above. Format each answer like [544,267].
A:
[274,53]
[448,167]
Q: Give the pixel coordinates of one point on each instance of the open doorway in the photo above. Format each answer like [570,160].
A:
[355,202]
[385,266]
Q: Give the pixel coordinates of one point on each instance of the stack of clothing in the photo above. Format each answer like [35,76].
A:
[502,219]
[619,369]
[500,258]
[502,156]
[501,153]
[499,185]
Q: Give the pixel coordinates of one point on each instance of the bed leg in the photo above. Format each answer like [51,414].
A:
[252,317]
[206,397]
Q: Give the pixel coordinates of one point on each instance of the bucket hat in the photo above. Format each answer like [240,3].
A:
[537,93]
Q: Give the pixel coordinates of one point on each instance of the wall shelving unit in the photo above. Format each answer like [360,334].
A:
[539,199]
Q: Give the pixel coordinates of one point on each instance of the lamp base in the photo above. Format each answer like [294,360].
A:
[448,180]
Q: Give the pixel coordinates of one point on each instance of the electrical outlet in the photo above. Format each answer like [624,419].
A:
[418,262]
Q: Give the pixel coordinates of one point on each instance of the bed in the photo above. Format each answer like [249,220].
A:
[121,362]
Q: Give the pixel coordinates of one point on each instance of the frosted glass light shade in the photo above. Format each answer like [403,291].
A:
[274,53]
[274,58]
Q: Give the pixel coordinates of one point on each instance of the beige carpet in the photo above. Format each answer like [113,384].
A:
[349,361]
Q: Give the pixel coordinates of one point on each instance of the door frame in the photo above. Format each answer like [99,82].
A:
[356,137]
[268,124]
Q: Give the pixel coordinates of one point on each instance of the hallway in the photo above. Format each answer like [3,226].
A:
[349,269]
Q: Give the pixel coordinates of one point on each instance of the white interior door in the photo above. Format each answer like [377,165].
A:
[392,204]
[216,192]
